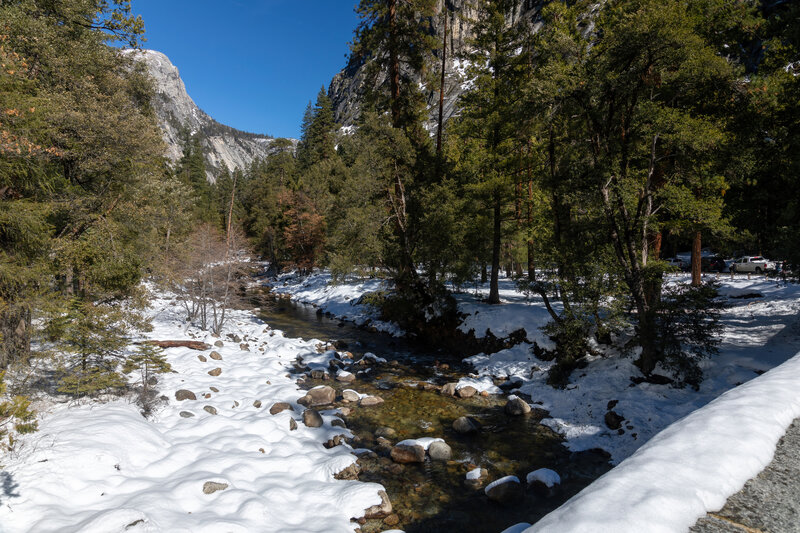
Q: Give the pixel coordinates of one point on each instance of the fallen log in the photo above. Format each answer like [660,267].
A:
[193,345]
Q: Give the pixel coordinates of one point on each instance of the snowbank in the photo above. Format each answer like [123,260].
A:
[691,467]
[103,467]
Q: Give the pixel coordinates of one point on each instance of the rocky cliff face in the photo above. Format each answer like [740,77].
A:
[348,87]
[224,146]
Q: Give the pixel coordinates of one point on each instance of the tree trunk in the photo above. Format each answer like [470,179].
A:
[696,263]
[441,87]
[494,287]
[484,273]
[394,64]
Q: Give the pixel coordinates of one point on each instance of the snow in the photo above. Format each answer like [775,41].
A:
[549,477]
[475,473]
[502,480]
[102,466]
[698,462]
[424,442]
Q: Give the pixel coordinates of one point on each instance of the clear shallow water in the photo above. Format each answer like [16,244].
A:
[433,495]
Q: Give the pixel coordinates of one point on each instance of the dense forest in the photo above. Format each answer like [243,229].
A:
[580,153]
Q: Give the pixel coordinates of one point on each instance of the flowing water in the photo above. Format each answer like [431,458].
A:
[432,496]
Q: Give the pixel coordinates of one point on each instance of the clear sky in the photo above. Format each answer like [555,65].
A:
[252,64]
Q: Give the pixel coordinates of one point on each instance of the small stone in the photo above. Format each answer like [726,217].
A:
[406,453]
[505,490]
[338,422]
[219,344]
[216,372]
[257,404]
[207,395]
[292,424]
[614,420]
[392,520]
[311,418]
[466,424]
[368,401]
[186,414]
[244,347]
[210,487]
[278,407]
[351,472]
[381,510]
[333,442]
[215,356]
[202,358]
[345,411]
[319,374]
[345,377]
[213,389]
[210,409]
[485,393]
[184,394]
[466,392]
[449,389]
[385,432]
[611,404]
[517,406]
[440,451]
[349,395]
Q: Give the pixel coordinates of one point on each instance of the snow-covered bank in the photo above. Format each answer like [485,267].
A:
[102,467]
[693,466]
[339,299]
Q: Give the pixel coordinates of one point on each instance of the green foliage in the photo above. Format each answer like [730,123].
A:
[148,360]
[92,337]
[15,411]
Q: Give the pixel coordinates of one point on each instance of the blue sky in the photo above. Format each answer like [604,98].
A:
[252,64]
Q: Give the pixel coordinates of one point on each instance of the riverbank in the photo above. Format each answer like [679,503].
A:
[211,457]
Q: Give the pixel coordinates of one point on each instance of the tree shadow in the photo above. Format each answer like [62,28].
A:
[8,486]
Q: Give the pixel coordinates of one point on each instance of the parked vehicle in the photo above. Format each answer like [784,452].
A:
[675,262]
[713,264]
[752,263]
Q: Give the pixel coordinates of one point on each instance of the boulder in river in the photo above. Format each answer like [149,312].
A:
[449,389]
[466,424]
[318,373]
[345,376]
[311,418]
[408,453]
[517,406]
[368,401]
[321,395]
[614,420]
[468,391]
[349,395]
[505,490]
[183,394]
[381,510]
[440,451]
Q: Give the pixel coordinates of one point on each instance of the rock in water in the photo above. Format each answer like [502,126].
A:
[449,389]
[466,424]
[517,406]
[311,418]
[349,395]
[351,472]
[440,451]
[381,510]
[504,490]
[184,394]
[466,392]
[278,407]
[321,395]
[408,453]
[210,487]
[370,400]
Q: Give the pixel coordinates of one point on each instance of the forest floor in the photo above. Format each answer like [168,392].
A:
[691,465]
